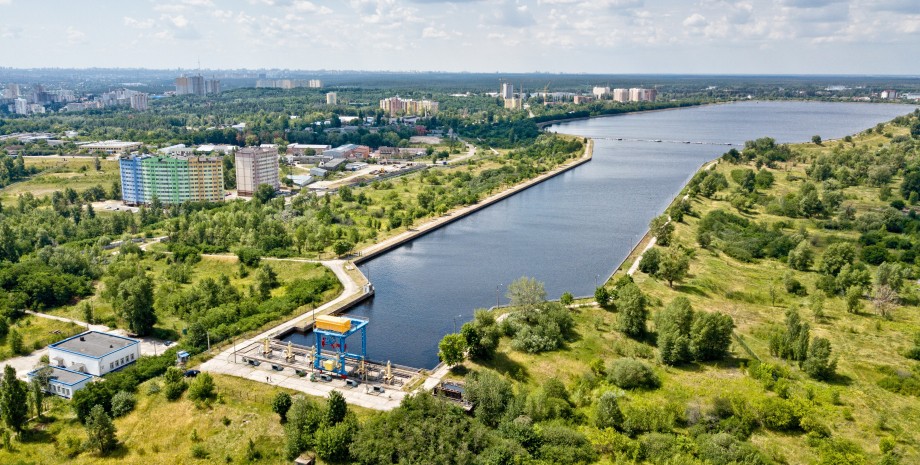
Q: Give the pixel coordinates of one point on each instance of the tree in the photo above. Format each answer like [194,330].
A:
[263,194]
[15,341]
[661,228]
[96,164]
[100,431]
[631,304]
[801,257]
[819,364]
[885,300]
[490,394]
[265,280]
[174,385]
[341,247]
[816,139]
[91,395]
[303,419]
[202,388]
[481,335]
[607,413]
[451,349]
[602,296]
[836,256]
[650,261]
[674,265]
[673,326]
[14,406]
[854,299]
[567,298]
[134,302]
[711,336]
[281,403]
[333,442]
[336,408]
[526,292]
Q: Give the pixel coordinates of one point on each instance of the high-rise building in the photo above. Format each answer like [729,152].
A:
[171,180]
[331,98]
[256,166]
[212,86]
[507,90]
[600,92]
[621,95]
[12,91]
[642,95]
[191,85]
[21,106]
[314,83]
[139,101]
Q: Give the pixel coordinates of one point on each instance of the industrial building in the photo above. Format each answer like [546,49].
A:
[256,166]
[94,353]
[349,151]
[111,147]
[171,179]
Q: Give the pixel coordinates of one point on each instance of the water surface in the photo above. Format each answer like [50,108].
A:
[577,227]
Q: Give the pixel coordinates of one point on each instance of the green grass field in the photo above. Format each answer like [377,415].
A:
[58,174]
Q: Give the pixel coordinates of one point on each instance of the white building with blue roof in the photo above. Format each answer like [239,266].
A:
[94,353]
[64,382]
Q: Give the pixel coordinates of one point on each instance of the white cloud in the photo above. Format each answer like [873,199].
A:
[6,2]
[310,7]
[695,20]
[138,24]
[432,33]
[74,35]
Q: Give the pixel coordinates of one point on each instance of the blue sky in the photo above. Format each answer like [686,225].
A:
[573,36]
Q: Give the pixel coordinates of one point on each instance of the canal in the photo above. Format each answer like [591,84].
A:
[576,228]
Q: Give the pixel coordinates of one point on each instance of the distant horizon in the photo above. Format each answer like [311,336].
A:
[396,71]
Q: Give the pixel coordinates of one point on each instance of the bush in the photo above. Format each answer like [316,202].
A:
[562,445]
[202,388]
[249,256]
[332,442]
[711,336]
[631,305]
[607,413]
[123,403]
[650,260]
[778,415]
[628,373]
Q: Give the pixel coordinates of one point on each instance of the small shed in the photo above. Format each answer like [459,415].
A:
[182,357]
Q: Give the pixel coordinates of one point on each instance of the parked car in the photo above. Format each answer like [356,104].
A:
[192,373]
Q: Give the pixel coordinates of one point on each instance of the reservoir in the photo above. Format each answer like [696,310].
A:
[577,227]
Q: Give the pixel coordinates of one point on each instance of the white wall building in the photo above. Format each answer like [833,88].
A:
[256,166]
[600,92]
[94,353]
[64,382]
[621,95]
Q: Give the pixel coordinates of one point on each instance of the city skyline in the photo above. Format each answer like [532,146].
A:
[571,36]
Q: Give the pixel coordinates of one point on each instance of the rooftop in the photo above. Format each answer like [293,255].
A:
[63,376]
[94,344]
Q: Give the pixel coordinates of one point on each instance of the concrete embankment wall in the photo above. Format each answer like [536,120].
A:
[454,216]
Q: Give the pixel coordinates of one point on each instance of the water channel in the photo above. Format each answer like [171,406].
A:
[573,230]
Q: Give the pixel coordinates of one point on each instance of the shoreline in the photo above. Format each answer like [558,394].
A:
[373,251]
[544,124]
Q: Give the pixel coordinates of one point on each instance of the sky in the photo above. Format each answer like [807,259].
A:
[567,36]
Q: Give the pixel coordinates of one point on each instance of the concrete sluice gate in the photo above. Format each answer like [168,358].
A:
[300,360]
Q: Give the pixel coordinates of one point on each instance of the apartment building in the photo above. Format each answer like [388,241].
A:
[256,166]
[171,179]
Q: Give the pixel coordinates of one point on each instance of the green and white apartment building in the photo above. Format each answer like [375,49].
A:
[171,179]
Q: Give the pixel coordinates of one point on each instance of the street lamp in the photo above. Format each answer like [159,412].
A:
[496,295]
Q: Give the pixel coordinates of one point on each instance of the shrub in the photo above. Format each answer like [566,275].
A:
[778,415]
[202,388]
[332,442]
[631,305]
[711,336]
[673,327]
[650,260]
[628,373]
[565,446]
[123,403]
[607,413]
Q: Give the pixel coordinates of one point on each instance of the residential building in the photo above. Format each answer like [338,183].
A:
[600,92]
[80,106]
[642,95]
[111,147]
[507,90]
[621,95]
[888,94]
[21,106]
[12,91]
[256,166]
[314,83]
[178,149]
[212,86]
[349,151]
[580,99]
[331,98]
[94,353]
[63,382]
[171,179]
[139,102]
[222,148]
[396,106]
